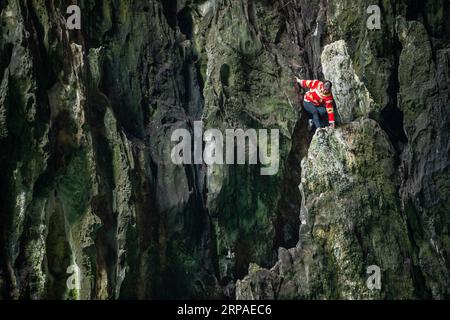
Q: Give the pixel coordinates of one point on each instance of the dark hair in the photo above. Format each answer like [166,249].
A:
[327,85]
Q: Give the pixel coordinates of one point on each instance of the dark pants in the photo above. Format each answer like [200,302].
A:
[319,115]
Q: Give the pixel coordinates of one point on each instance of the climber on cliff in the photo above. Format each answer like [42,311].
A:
[318,101]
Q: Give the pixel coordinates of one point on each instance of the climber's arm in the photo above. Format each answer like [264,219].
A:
[330,110]
[309,84]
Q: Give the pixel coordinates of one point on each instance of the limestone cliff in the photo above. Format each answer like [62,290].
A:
[86,118]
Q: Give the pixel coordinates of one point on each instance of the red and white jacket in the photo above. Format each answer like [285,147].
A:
[317,98]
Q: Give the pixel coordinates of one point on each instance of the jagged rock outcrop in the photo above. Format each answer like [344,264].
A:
[351,220]
[87,184]
[351,95]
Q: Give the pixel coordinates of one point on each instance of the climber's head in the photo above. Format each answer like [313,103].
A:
[327,85]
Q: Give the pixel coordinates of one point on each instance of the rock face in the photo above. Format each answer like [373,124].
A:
[424,97]
[92,207]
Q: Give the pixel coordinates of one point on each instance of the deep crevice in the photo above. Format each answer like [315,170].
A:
[185,22]
[391,117]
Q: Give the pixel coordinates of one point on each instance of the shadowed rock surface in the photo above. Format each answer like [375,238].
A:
[86,119]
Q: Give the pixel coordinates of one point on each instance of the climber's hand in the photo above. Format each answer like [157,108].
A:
[298,79]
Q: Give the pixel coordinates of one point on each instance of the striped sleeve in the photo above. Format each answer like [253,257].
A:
[311,84]
[330,108]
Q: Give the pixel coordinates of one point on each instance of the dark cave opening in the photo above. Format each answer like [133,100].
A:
[170,12]
[185,22]
[391,120]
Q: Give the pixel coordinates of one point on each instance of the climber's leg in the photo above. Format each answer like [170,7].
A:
[313,112]
[323,115]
